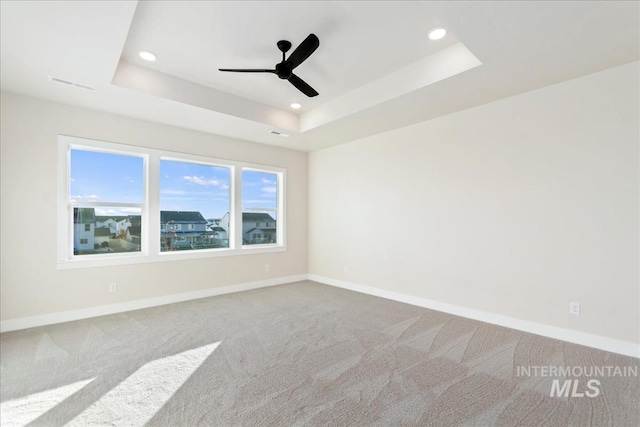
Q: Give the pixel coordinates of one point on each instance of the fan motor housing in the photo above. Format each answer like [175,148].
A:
[284,70]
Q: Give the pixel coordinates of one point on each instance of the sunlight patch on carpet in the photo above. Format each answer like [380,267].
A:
[22,411]
[138,397]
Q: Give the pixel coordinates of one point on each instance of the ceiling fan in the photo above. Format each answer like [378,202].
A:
[284,69]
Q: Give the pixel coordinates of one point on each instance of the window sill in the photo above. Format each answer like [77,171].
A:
[109,261]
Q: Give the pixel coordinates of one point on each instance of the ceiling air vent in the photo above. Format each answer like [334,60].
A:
[70,83]
[275,132]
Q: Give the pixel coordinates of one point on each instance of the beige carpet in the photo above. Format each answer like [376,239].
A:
[294,355]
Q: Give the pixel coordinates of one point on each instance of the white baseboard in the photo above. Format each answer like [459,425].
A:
[84,313]
[576,337]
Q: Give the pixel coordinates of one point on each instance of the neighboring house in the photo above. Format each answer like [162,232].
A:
[258,227]
[101,237]
[224,223]
[135,220]
[133,234]
[219,233]
[186,230]
[134,227]
[84,222]
[117,224]
[215,225]
[107,222]
[123,225]
[213,222]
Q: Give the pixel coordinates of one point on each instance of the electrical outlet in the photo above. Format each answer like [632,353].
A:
[113,287]
[574,308]
[267,267]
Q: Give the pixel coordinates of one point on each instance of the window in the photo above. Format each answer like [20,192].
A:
[260,205]
[103,184]
[190,192]
[121,204]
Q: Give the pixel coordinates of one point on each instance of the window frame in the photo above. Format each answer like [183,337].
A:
[150,210]
[66,206]
[205,161]
[279,209]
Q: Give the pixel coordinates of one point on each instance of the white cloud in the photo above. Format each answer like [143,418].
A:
[200,180]
[224,186]
[135,211]
[100,211]
[265,181]
[269,190]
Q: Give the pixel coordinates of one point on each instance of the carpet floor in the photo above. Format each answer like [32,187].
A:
[305,354]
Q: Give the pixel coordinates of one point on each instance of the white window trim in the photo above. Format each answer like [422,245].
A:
[280,206]
[150,227]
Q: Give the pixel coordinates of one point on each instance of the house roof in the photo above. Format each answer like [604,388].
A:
[182,217]
[101,232]
[84,215]
[102,218]
[262,229]
[217,229]
[134,230]
[256,216]
[135,219]
[185,233]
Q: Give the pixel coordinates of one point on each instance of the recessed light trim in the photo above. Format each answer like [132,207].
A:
[296,106]
[437,33]
[147,56]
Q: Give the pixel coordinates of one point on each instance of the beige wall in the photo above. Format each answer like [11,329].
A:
[516,207]
[31,284]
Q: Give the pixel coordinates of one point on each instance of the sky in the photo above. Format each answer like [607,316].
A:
[102,177]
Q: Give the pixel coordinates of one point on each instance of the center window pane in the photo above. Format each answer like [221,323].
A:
[194,206]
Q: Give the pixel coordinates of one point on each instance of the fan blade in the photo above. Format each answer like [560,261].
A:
[302,86]
[302,52]
[245,70]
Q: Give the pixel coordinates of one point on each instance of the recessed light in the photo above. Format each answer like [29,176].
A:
[147,56]
[437,33]
[296,106]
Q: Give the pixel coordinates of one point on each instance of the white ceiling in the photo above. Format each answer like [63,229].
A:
[353,49]
[375,68]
